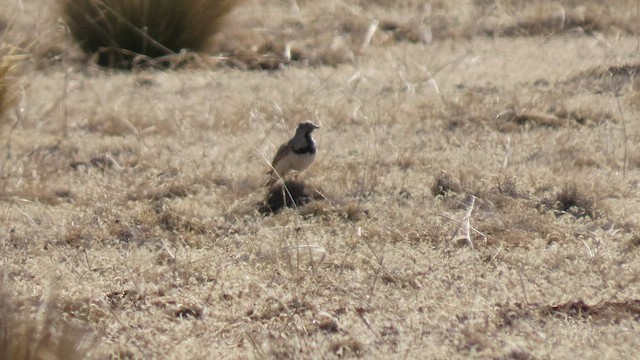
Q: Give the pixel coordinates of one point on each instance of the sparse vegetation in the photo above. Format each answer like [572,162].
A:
[475,191]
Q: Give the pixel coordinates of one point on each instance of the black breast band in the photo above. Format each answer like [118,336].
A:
[309,149]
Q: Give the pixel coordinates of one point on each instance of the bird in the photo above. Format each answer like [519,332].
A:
[297,154]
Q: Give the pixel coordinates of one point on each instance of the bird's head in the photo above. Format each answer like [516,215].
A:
[306,127]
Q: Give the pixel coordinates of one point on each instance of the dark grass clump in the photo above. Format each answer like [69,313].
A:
[614,79]
[569,200]
[604,312]
[292,194]
[444,184]
[121,33]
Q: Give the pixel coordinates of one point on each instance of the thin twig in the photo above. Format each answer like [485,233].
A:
[373,27]
[624,133]
[375,280]
[524,289]
[460,223]
[466,223]
[65,108]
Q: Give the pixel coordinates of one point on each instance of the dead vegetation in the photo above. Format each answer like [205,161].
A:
[336,34]
[475,190]
[608,312]
[10,58]
[48,335]
[613,79]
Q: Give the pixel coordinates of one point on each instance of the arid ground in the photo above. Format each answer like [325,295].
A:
[477,186]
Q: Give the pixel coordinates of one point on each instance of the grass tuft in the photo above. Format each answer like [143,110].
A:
[569,200]
[443,184]
[121,33]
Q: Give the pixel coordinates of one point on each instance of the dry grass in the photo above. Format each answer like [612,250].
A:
[473,195]
[47,335]
[9,89]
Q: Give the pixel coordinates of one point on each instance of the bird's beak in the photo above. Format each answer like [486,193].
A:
[316,126]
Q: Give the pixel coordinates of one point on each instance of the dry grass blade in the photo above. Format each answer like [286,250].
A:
[10,59]
[9,95]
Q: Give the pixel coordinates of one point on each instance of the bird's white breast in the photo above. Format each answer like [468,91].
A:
[295,162]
